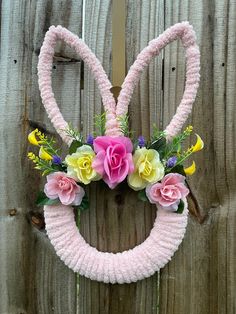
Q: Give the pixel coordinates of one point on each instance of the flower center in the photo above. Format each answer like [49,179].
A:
[63,185]
[84,163]
[170,193]
[115,161]
[145,168]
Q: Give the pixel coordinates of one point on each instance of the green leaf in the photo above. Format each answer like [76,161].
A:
[178,169]
[62,167]
[142,196]
[84,204]
[159,144]
[46,172]
[180,207]
[175,148]
[74,145]
[42,200]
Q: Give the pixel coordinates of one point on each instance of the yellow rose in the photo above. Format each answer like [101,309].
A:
[148,168]
[79,165]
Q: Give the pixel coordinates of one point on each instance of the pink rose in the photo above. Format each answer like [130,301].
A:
[168,192]
[59,185]
[114,158]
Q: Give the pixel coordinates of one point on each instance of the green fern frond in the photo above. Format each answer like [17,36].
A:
[100,124]
[124,125]
[73,133]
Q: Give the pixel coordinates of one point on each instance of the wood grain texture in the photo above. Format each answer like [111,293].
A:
[145,21]
[33,280]
[201,277]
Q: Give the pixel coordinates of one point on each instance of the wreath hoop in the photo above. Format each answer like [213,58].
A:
[128,266]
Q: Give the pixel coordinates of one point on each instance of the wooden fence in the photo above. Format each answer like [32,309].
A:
[201,278]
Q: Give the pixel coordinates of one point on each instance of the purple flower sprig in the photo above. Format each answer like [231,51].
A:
[56,160]
[171,162]
[141,141]
[90,139]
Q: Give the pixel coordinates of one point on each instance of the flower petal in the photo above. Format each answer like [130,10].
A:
[98,163]
[44,155]
[199,144]
[136,182]
[173,178]
[32,138]
[191,169]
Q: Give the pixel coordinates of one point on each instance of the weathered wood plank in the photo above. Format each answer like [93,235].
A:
[14,231]
[145,21]
[192,280]
[116,220]
[52,288]
[33,280]
[200,279]
[55,285]
[55,288]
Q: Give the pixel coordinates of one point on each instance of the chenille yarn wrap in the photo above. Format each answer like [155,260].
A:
[129,266]
[169,228]
[45,82]
[183,31]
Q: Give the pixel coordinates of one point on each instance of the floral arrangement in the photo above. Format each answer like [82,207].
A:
[152,168]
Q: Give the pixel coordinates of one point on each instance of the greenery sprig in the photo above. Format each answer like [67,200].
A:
[43,165]
[100,124]
[174,147]
[74,133]
[124,126]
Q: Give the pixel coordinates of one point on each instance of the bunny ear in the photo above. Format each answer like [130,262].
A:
[185,32]
[45,81]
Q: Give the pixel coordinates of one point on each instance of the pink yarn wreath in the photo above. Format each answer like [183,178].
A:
[169,228]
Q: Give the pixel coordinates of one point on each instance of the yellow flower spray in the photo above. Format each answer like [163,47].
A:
[46,151]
